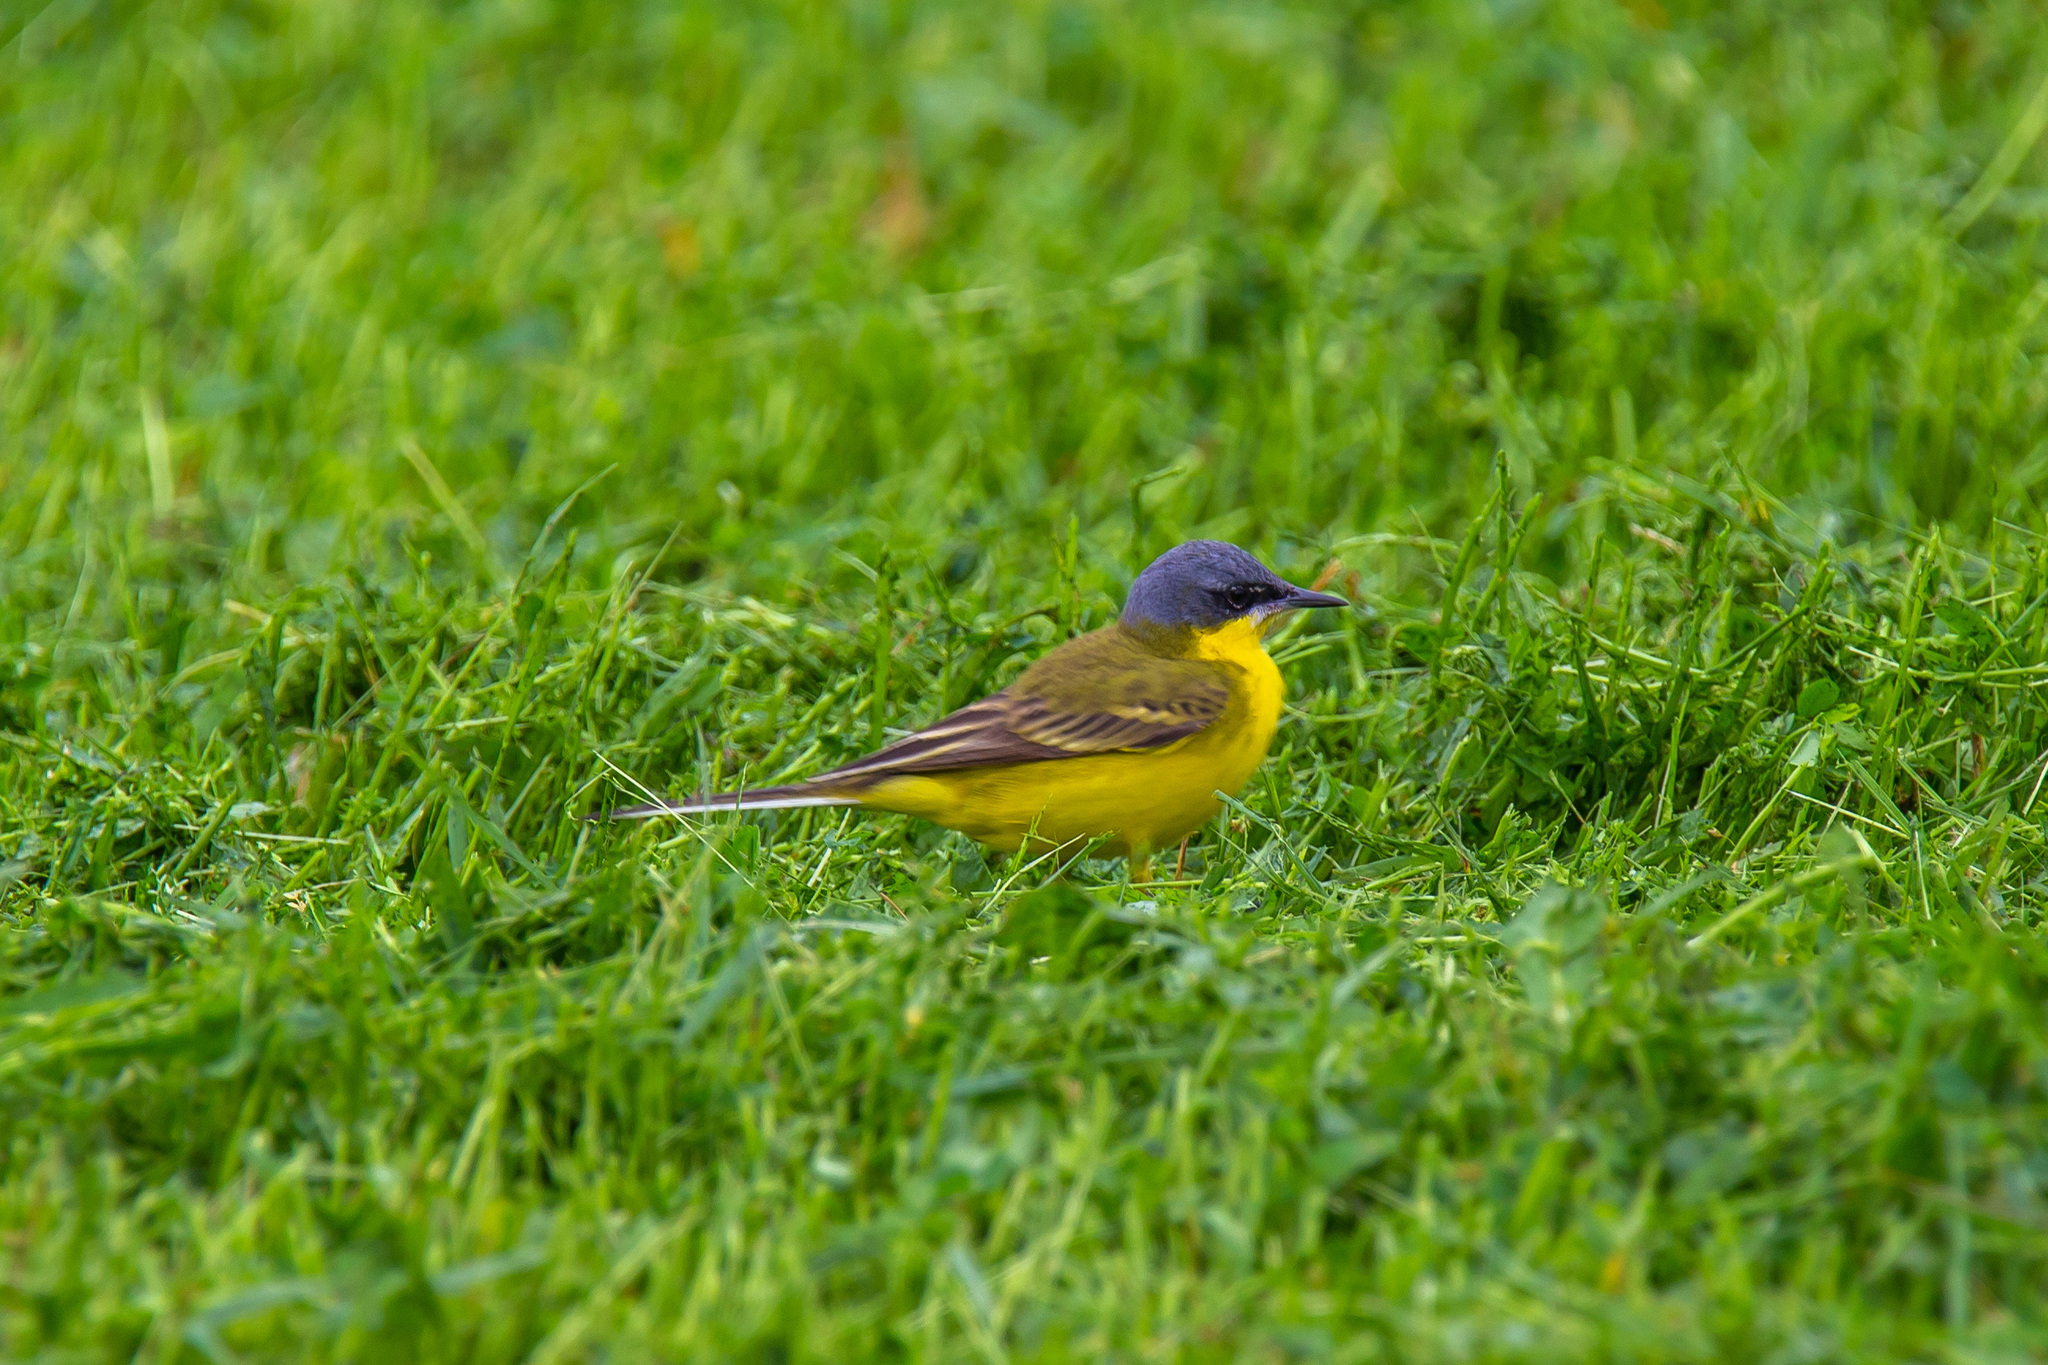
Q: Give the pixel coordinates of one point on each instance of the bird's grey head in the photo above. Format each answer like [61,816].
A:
[1205,584]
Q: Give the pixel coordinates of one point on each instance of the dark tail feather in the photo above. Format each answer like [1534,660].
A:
[764,798]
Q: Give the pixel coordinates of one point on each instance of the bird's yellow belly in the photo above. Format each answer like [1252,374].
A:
[1140,800]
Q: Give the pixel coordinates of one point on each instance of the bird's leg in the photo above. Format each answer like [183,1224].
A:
[1180,864]
[1141,868]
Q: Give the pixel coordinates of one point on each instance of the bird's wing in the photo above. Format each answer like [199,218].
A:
[1096,694]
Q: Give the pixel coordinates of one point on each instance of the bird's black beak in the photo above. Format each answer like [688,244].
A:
[1297,599]
[1301,599]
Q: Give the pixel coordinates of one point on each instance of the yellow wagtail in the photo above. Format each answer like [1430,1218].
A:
[1123,735]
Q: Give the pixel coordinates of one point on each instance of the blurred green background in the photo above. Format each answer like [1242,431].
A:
[946,276]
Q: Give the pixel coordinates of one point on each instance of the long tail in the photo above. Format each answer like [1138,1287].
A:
[762,798]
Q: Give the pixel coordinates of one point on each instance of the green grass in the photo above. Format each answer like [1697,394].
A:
[421,425]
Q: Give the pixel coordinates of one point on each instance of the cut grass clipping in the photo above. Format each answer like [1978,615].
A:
[420,428]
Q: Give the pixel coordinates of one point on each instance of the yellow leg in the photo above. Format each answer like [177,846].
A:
[1141,868]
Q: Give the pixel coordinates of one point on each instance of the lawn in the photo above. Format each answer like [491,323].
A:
[422,426]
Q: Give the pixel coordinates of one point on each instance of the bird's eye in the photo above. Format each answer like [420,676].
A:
[1240,597]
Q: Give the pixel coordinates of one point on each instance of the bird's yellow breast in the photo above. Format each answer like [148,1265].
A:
[1142,799]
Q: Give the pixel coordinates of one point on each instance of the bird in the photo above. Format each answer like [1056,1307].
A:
[1115,742]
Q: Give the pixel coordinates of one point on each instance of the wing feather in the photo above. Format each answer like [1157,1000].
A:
[1101,693]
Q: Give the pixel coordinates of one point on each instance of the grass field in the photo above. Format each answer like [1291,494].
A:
[423,425]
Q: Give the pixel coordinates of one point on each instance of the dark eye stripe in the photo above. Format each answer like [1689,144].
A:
[1240,596]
